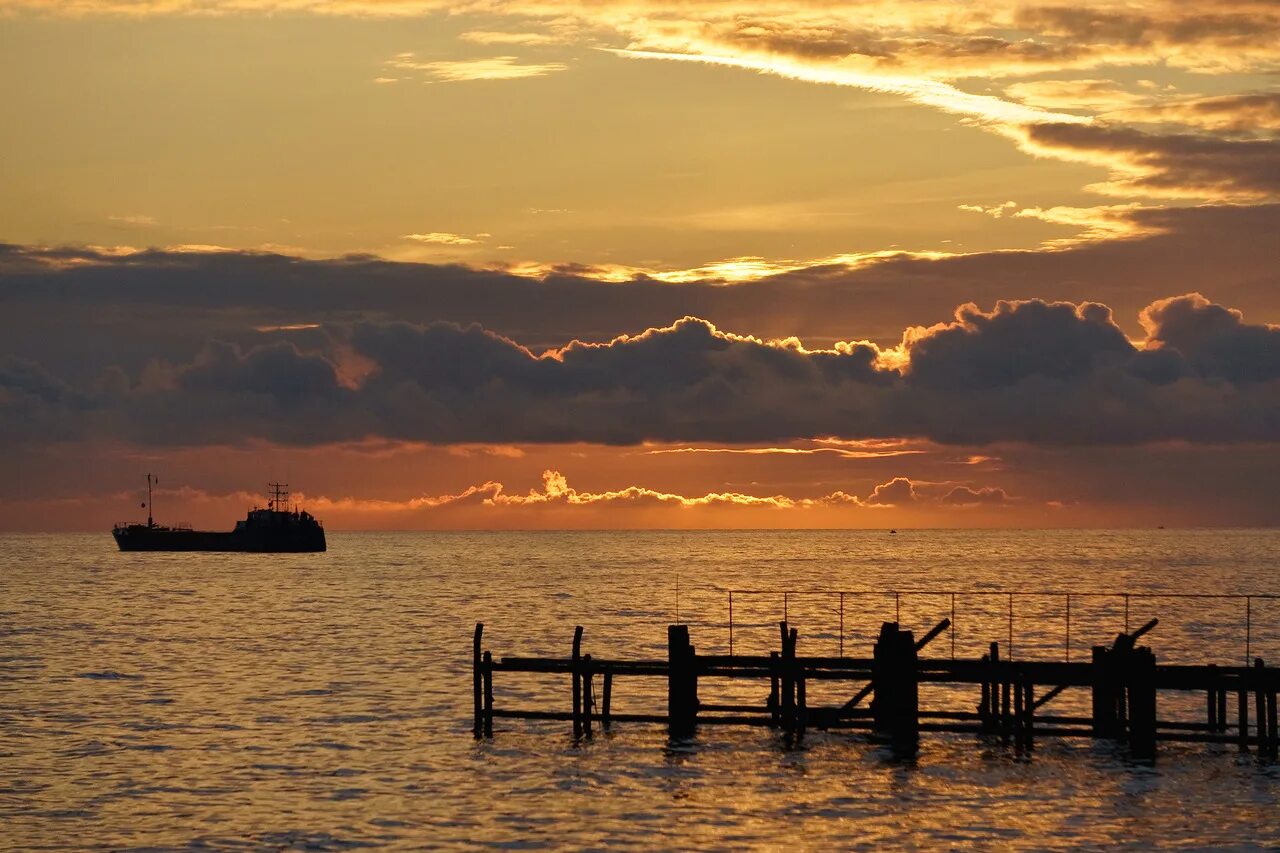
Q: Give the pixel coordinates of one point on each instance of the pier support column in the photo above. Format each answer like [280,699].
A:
[477,665]
[682,683]
[1105,717]
[1141,683]
[488,694]
[1260,706]
[576,667]
[896,706]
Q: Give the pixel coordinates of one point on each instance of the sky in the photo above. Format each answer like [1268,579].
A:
[641,263]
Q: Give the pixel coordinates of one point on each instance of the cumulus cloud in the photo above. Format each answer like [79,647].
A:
[965,496]
[1029,371]
[554,493]
[896,492]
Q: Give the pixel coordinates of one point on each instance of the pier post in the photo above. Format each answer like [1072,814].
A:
[1222,708]
[1018,711]
[1141,672]
[984,704]
[1211,698]
[774,668]
[682,683]
[1242,714]
[477,727]
[896,706]
[577,681]
[1006,717]
[795,679]
[605,720]
[787,706]
[1260,705]
[1104,719]
[1029,726]
[1273,742]
[488,694]
[992,723]
[588,695]
[802,707]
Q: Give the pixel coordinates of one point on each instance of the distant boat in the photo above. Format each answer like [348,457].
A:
[893,531]
[273,529]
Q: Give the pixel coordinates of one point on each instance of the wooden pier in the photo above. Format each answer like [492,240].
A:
[990,697]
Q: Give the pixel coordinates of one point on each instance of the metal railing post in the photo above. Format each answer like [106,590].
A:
[842,624]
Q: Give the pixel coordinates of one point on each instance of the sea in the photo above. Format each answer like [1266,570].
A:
[323,701]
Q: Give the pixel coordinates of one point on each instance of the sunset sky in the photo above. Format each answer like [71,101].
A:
[517,264]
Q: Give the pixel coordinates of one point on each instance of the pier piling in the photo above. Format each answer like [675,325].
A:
[576,672]
[682,683]
[896,705]
[477,667]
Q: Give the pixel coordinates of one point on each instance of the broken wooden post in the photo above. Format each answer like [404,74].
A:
[896,706]
[588,695]
[1141,681]
[608,695]
[477,727]
[488,694]
[682,683]
[933,632]
[576,658]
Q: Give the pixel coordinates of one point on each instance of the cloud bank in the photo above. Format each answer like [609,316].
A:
[1025,371]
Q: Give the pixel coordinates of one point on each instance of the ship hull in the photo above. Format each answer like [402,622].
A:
[254,541]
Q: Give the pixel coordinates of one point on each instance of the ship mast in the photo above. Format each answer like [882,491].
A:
[150,520]
[279,496]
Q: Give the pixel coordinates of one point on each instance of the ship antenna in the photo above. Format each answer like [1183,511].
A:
[279,495]
[150,520]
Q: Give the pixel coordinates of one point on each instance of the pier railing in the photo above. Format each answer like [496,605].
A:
[836,601]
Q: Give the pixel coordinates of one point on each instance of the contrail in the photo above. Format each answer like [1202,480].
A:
[983,108]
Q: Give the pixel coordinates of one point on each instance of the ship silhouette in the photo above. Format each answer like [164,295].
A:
[276,528]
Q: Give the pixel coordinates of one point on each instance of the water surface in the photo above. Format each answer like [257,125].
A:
[322,702]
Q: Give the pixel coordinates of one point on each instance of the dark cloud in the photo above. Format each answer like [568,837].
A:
[1026,371]
[1248,113]
[1214,340]
[129,311]
[1178,164]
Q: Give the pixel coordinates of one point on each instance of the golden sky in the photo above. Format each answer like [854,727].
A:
[939,264]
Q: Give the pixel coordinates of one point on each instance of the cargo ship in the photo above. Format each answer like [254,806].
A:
[276,528]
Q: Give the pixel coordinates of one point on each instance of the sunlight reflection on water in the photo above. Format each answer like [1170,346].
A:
[323,701]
